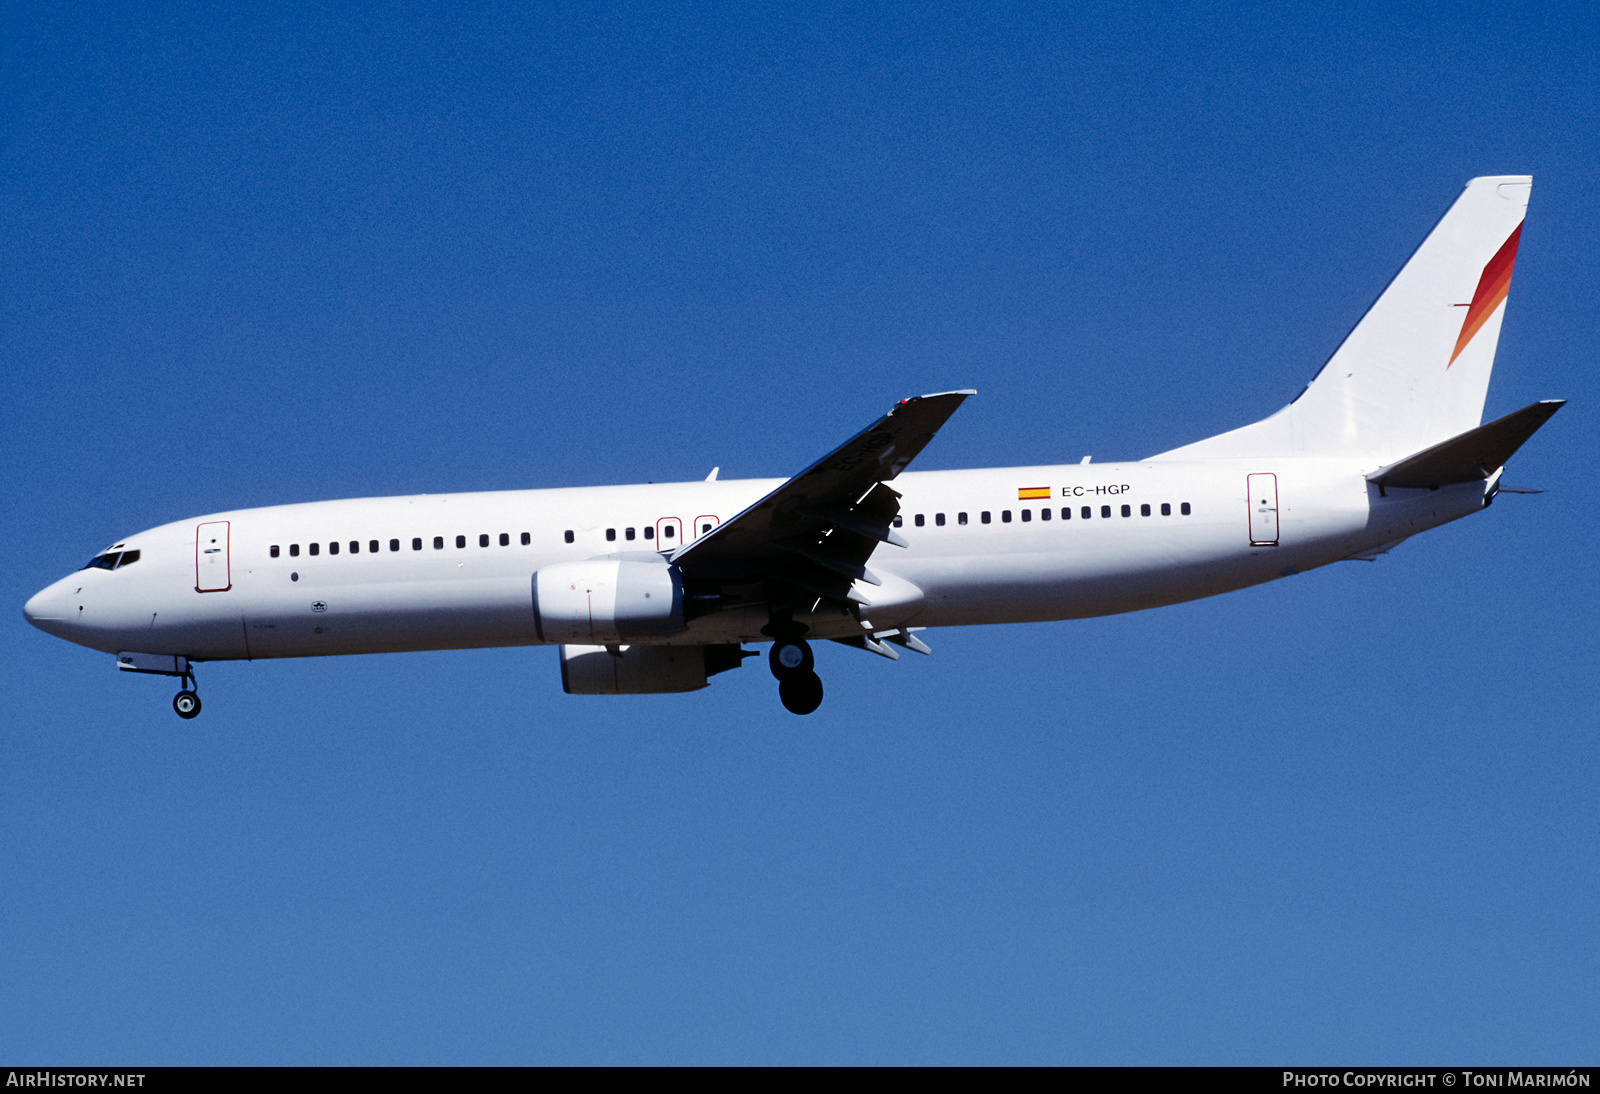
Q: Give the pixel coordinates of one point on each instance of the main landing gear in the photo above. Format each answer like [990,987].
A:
[799,686]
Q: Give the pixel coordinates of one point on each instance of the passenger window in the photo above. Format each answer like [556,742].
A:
[899,522]
[1086,512]
[627,533]
[938,518]
[984,516]
[919,520]
[1144,510]
[567,535]
[1066,512]
[1105,512]
[1184,509]
[611,535]
[294,550]
[1005,516]
[704,528]
[1127,510]
[438,543]
[649,533]
[273,550]
[373,546]
[527,538]
[355,546]
[505,539]
[961,518]
[1166,509]
[313,548]
[461,541]
[483,539]
[333,548]
[1044,514]
[416,543]
[667,532]
[1027,515]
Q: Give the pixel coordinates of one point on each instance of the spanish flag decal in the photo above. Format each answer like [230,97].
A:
[1029,493]
[1492,288]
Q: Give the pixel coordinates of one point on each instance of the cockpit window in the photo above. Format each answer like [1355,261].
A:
[113,560]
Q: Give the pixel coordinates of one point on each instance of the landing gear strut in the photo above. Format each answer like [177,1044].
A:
[798,684]
[187,701]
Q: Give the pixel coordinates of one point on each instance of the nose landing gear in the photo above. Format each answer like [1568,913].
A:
[186,703]
[799,687]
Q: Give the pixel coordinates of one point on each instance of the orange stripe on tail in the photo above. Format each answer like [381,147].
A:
[1492,289]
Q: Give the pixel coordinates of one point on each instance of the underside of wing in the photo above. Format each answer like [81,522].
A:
[811,538]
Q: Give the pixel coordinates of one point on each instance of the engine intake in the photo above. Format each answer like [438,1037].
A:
[607,601]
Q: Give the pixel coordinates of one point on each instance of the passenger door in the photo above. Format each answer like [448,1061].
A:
[1263,499]
[212,572]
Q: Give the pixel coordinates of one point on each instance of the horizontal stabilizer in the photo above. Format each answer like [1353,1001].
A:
[1471,456]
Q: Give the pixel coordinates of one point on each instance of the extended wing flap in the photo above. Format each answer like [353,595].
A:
[1471,456]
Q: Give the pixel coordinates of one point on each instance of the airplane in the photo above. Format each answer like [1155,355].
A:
[657,588]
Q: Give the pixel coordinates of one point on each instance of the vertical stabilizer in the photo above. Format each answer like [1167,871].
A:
[1415,370]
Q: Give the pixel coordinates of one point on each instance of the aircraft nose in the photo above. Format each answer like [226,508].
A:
[49,610]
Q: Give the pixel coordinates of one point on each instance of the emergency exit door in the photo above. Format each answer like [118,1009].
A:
[1263,490]
[211,568]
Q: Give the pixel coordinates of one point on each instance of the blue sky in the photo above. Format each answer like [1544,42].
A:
[282,253]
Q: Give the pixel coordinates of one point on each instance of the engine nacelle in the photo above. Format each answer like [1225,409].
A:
[643,670]
[605,601]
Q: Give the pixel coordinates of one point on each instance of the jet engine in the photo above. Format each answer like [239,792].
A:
[604,601]
[642,670]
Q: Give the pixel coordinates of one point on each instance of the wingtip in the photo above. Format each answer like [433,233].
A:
[940,394]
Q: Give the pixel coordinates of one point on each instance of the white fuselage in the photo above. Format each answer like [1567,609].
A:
[1014,566]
